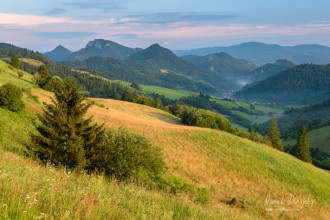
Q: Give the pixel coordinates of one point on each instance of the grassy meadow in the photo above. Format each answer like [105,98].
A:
[226,165]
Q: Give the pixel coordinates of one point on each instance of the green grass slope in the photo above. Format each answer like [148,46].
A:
[226,165]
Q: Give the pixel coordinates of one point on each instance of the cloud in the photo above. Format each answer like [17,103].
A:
[43,32]
[65,35]
[172,17]
[55,11]
[28,20]
[127,36]
[105,5]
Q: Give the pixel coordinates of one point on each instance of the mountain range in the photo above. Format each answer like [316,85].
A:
[267,70]
[159,66]
[260,53]
[222,64]
[97,47]
[302,84]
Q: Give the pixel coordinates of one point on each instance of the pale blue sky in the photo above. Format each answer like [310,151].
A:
[176,24]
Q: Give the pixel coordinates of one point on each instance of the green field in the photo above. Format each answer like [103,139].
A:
[168,93]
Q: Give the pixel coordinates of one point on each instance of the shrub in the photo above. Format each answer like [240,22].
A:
[173,184]
[203,196]
[55,84]
[11,97]
[20,74]
[126,154]
[204,118]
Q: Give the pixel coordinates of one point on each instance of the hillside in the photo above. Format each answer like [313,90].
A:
[103,48]
[261,54]
[133,70]
[316,119]
[221,63]
[303,84]
[159,58]
[268,70]
[226,165]
[60,53]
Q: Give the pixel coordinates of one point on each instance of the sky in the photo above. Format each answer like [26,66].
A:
[42,25]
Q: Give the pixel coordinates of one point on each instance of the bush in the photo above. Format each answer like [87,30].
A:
[204,118]
[55,84]
[20,74]
[203,196]
[126,154]
[11,97]
[173,184]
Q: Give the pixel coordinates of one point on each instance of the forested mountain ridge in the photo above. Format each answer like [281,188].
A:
[132,70]
[159,58]
[102,48]
[268,70]
[222,64]
[303,84]
[261,53]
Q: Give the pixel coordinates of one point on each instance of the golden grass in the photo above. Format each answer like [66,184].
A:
[222,163]
[32,61]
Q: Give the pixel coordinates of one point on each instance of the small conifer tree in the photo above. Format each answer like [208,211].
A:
[14,62]
[44,76]
[274,135]
[66,138]
[302,147]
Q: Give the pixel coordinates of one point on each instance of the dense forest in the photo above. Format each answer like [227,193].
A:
[303,84]
[222,64]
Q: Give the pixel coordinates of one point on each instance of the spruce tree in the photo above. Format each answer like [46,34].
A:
[44,76]
[302,146]
[14,62]
[66,138]
[274,135]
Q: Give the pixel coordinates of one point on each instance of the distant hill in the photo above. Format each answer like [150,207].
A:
[133,70]
[316,119]
[103,48]
[7,46]
[221,63]
[159,58]
[60,53]
[268,70]
[260,53]
[303,84]
[309,116]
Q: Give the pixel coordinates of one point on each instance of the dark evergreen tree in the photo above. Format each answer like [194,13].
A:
[302,147]
[66,138]
[274,135]
[14,62]
[44,76]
